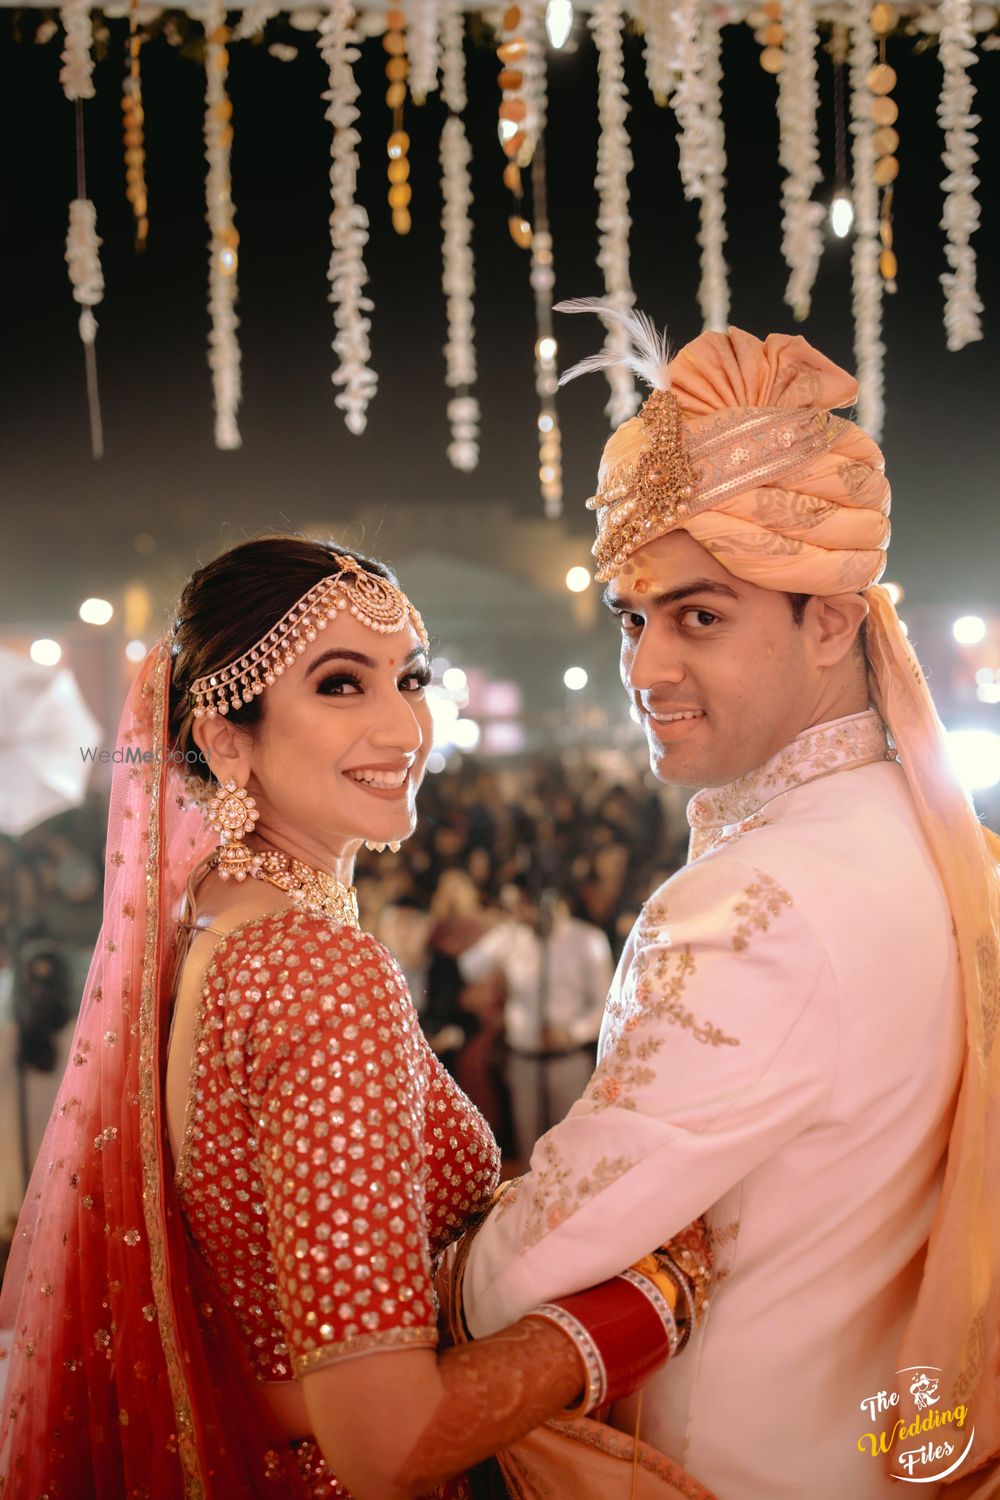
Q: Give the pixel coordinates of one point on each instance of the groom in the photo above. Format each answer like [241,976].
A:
[786,1036]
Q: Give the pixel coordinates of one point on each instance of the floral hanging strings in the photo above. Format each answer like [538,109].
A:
[82,244]
[356,380]
[962,306]
[798,151]
[696,65]
[869,350]
[223,260]
[614,163]
[457,271]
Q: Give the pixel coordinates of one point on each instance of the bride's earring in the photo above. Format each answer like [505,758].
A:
[393,846]
[232,813]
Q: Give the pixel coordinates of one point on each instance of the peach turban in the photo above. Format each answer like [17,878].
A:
[784,494]
[738,445]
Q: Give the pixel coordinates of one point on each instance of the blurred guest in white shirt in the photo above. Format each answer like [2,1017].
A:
[557,972]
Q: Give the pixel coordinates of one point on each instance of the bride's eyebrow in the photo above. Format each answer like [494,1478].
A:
[359,658]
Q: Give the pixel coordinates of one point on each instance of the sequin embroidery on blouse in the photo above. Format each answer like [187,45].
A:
[327,1156]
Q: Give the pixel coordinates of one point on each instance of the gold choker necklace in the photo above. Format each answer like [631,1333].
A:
[312,890]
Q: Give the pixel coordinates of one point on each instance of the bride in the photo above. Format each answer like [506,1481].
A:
[221,1282]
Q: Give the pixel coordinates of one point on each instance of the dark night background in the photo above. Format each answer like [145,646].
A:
[69,523]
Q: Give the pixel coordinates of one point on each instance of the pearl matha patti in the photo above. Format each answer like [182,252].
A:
[374,602]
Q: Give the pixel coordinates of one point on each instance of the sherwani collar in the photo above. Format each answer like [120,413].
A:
[838,745]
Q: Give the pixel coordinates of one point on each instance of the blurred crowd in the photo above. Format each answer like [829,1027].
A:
[508,910]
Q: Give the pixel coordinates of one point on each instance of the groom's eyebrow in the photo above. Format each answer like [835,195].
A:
[616,603]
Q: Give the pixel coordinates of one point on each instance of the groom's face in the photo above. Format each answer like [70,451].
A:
[719,671]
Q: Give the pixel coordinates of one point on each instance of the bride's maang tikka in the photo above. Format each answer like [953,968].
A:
[374,602]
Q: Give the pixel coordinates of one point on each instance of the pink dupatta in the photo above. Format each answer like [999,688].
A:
[125,1374]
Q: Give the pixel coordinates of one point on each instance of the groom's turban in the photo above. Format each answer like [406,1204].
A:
[737,445]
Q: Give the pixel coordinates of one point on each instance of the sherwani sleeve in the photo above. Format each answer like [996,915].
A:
[719,1046]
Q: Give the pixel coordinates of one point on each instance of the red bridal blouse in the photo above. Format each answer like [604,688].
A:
[327,1156]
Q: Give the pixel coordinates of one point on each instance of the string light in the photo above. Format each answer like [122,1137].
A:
[45,653]
[96,611]
[841,206]
[558,22]
[969,630]
[841,216]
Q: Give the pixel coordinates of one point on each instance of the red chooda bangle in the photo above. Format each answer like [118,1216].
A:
[623,1329]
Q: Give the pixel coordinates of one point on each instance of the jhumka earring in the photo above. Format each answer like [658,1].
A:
[232,813]
[393,846]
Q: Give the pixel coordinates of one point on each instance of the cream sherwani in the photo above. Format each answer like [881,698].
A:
[781,1051]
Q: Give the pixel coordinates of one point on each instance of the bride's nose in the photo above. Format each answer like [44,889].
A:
[396,726]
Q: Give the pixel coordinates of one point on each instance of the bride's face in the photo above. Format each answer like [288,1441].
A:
[344,741]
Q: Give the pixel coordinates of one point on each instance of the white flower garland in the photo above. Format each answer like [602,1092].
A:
[348,221]
[696,62]
[457,269]
[422,45]
[84,263]
[254,18]
[655,18]
[798,152]
[713,292]
[869,350]
[458,283]
[76,73]
[614,163]
[960,219]
[224,349]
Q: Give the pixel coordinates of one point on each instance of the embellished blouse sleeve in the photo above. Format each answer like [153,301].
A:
[325,1048]
[719,1046]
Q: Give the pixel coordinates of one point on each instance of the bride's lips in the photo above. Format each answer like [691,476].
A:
[398,774]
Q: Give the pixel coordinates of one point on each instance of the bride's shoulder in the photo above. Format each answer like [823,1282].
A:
[312,944]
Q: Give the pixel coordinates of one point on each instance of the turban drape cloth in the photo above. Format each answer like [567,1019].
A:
[786,496]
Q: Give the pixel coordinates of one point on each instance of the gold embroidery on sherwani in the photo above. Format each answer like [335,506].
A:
[660,978]
[842,745]
[722,1240]
[761,902]
[557,1196]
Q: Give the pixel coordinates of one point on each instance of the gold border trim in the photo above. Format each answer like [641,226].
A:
[150,1115]
[362,1343]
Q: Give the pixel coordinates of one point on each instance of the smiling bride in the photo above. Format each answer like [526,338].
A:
[221,1283]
